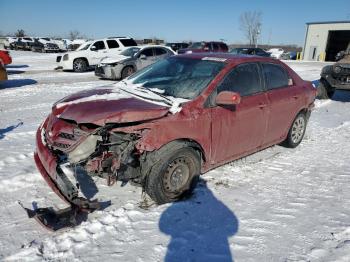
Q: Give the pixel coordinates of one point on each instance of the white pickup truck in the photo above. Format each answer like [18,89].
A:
[90,53]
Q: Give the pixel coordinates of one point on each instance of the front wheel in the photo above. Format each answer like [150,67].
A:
[297,131]
[127,71]
[80,65]
[174,176]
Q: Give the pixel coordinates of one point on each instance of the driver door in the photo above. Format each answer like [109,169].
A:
[98,53]
[240,129]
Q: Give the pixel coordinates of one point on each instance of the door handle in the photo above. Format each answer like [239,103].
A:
[295,97]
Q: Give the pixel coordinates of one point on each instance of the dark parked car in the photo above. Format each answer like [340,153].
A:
[199,47]
[170,122]
[249,51]
[23,43]
[44,48]
[176,46]
[336,76]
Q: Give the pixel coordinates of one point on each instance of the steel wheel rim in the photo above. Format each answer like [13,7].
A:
[129,71]
[177,175]
[78,65]
[298,129]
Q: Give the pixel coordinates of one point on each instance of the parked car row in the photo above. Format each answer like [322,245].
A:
[42,44]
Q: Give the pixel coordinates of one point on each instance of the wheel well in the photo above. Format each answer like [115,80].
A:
[126,66]
[82,58]
[184,142]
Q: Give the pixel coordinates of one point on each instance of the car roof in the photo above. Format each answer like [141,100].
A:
[230,58]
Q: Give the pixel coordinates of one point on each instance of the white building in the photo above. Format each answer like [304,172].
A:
[324,40]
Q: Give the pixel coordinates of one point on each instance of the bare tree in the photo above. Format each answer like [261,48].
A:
[74,34]
[20,33]
[250,24]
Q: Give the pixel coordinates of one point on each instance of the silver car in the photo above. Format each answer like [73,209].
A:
[131,60]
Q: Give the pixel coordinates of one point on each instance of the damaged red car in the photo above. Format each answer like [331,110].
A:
[172,121]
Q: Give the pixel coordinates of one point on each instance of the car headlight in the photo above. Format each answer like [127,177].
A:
[337,69]
[84,150]
[65,57]
[189,52]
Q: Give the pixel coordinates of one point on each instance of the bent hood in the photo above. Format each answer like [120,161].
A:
[102,106]
[113,59]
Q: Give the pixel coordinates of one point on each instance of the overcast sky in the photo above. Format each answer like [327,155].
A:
[283,22]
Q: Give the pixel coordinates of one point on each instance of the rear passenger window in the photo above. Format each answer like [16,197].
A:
[275,75]
[112,44]
[128,42]
[160,51]
[243,79]
[99,45]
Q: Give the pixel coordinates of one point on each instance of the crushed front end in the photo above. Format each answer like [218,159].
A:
[64,149]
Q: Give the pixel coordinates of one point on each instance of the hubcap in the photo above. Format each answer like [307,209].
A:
[298,129]
[177,175]
[78,65]
[129,71]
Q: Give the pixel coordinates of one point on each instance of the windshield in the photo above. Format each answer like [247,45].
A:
[178,77]
[84,47]
[197,45]
[130,51]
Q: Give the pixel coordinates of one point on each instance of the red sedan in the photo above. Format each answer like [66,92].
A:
[5,57]
[168,123]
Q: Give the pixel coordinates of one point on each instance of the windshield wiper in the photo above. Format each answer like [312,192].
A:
[167,101]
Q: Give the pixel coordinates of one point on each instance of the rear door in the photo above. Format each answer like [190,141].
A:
[284,101]
[237,130]
[160,53]
[113,47]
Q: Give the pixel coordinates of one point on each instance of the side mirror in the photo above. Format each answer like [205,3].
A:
[93,48]
[143,57]
[228,98]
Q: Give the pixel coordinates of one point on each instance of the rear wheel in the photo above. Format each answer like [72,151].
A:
[324,90]
[296,131]
[80,65]
[127,71]
[173,177]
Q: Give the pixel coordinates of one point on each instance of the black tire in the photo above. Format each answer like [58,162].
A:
[80,65]
[324,90]
[127,71]
[297,131]
[174,176]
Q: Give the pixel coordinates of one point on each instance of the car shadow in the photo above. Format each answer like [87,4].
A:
[17,66]
[341,96]
[17,83]
[9,129]
[87,185]
[14,72]
[199,228]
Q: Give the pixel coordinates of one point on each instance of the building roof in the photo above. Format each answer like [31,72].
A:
[329,22]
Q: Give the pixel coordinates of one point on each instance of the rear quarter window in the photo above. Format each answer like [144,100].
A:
[128,42]
[276,76]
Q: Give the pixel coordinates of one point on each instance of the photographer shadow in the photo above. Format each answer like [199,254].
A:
[199,228]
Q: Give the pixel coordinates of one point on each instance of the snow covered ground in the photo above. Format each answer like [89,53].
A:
[276,205]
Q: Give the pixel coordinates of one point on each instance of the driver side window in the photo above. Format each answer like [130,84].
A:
[147,52]
[99,45]
[243,79]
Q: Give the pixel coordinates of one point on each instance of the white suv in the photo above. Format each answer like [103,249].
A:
[90,53]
